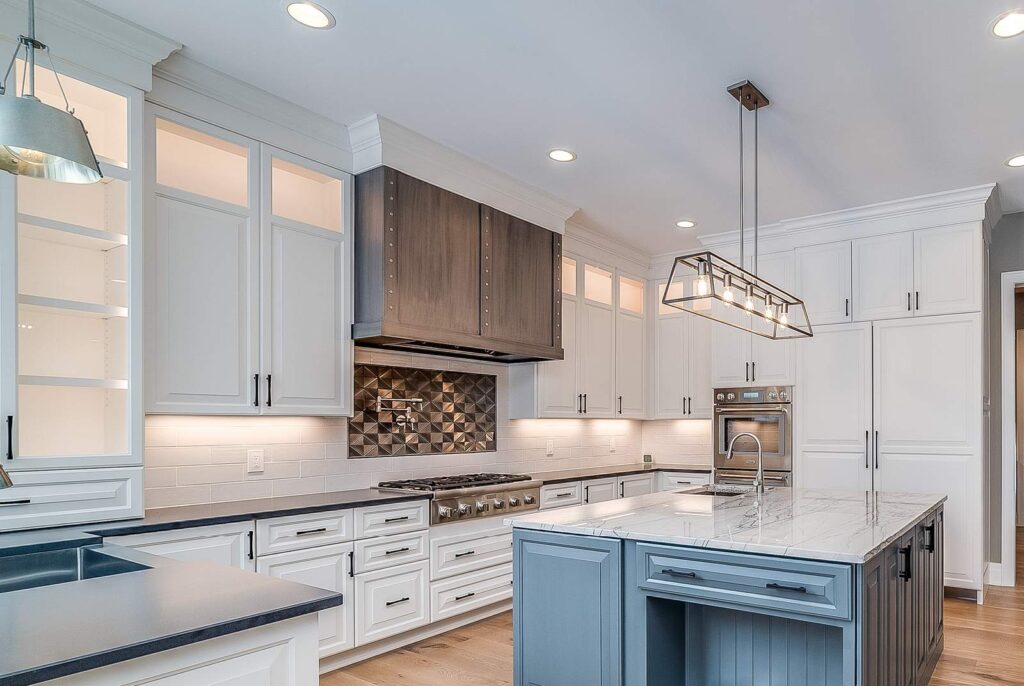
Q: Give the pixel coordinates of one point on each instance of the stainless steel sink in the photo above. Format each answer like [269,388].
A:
[31,570]
[716,491]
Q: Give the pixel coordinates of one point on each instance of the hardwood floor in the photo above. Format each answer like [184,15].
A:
[984,647]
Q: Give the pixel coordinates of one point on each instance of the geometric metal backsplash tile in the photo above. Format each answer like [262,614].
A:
[458,412]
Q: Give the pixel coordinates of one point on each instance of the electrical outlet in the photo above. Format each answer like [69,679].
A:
[549,448]
[255,461]
[612,446]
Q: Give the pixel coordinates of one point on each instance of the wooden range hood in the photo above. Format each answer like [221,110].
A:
[439,273]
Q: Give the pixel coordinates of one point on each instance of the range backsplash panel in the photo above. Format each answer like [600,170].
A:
[457,412]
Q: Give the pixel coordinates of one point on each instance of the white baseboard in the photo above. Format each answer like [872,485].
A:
[995,576]
[350,657]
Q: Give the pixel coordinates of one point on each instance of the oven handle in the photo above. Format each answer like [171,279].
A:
[752,409]
[745,477]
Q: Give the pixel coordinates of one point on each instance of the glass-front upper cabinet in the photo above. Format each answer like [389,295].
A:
[69,297]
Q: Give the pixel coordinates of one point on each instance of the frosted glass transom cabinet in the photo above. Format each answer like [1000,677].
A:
[70,329]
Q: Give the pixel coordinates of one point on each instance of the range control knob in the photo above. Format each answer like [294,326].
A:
[499,504]
[730,396]
[445,512]
[464,509]
[481,506]
[783,395]
[513,502]
[720,396]
[772,395]
[528,499]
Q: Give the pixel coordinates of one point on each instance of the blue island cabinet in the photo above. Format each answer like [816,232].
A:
[592,611]
[567,612]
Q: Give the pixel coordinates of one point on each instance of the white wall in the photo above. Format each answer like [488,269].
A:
[195,460]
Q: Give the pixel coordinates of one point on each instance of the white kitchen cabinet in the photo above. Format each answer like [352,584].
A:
[832,408]
[70,323]
[883,277]
[295,532]
[231,545]
[948,270]
[239,226]
[600,490]
[597,341]
[636,484]
[391,518]
[739,358]
[630,344]
[391,601]
[387,551]
[674,481]
[681,373]
[328,567]
[561,495]
[823,278]
[928,413]
[556,382]
[466,592]
[464,547]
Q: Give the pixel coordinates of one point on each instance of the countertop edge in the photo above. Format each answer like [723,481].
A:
[157,645]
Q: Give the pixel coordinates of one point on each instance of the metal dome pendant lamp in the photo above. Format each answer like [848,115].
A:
[711,286]
[36,139]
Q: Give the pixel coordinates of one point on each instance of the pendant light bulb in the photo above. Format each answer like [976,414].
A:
[784,315]
[769,310]
[703,282]
[728,295]
[749,300]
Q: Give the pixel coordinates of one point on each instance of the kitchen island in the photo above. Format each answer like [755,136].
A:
[791,586]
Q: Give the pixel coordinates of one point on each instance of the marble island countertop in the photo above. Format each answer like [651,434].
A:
[840,526]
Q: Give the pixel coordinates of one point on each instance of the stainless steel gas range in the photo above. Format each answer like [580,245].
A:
[472,496]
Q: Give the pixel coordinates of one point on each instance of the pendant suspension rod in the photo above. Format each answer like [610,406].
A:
[742,248]
[756,157]
[30,50]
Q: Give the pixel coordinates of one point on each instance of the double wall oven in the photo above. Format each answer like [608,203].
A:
[765,412]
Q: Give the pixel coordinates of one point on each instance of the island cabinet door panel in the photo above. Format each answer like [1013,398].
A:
[518,279]
[872,630]
[328,567]
[567,610]
[438,258]
[833,408]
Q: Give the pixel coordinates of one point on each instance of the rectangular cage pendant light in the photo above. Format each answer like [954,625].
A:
[711,286]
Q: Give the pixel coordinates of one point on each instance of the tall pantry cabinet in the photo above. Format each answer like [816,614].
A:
[895,404]
[70,322]
[248,305]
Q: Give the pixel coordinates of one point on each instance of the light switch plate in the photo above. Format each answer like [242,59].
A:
[549,448]
[255,461]
[612,447]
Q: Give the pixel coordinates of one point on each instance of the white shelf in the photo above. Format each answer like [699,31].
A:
[73,382]
[74,307]
[70,234]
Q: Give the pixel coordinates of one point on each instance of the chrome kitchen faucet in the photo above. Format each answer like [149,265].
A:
[759,479]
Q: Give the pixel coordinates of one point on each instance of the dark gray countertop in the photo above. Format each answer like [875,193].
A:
[166,518]
[53,631]
[564,475]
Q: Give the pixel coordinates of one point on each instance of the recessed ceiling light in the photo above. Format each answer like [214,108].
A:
[310,14]
[1015,161]
[1009,24]
[561,155]
[686,223]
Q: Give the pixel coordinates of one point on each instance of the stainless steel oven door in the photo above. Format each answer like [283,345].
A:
[773,426]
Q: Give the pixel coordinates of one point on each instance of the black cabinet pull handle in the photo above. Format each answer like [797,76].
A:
[396,551]
[586,494]
[866,464]
[689,405]
[256,387]
[876,448]
[753,371]
[748,372]
[392,520]
[786,587]
[904,571]
[252,550]
[309,532]
[351,563]
[10,437]
[466,553]
[622,490]
[20,501]
[908,301]
[620,404]
[563,495]
[464,596]
[396,602]
[847,307]
[584,403]
[676,572]
[917,300]
[270,394]
[579,403]
[929,539]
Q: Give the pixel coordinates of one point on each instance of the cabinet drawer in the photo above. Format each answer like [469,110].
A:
[814,588]
[469,591]
[394,518]
[229,545]
[282,534]
[385,552]
[391,601]
[461,553]
[560,495]
[72,496]
[671,481]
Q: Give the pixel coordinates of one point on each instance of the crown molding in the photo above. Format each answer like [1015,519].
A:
[84,35]
[964,205]
[376,141]
[591,243]
[183,84]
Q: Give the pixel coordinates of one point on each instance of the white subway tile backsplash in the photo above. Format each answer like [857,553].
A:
[284,487]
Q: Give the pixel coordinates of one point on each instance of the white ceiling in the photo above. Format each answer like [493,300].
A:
[873,100]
